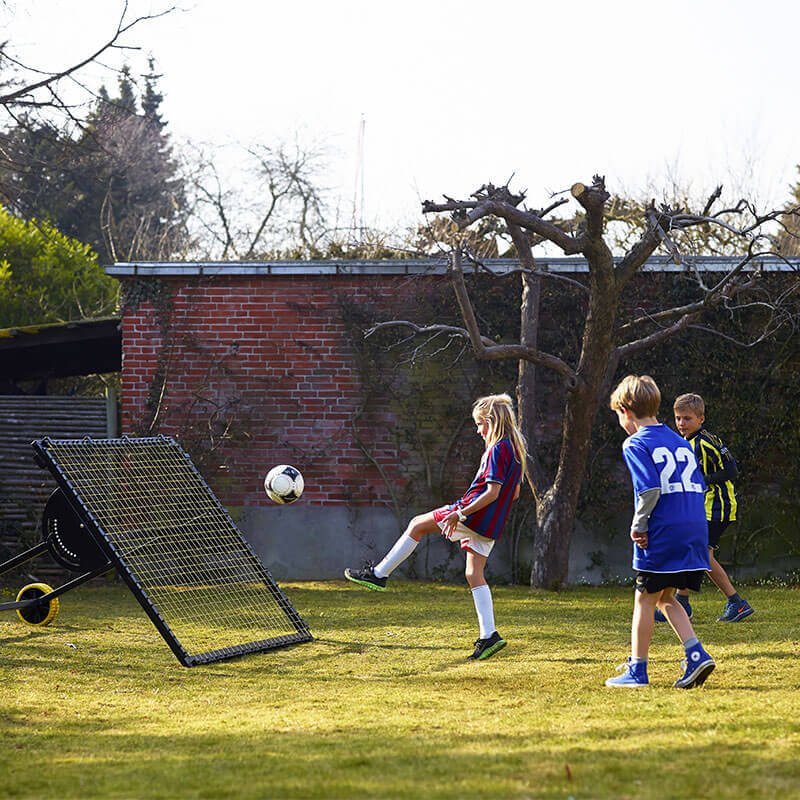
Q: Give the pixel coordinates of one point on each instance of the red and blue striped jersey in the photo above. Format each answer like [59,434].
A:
[498,465]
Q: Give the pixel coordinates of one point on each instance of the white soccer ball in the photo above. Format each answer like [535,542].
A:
[284,484]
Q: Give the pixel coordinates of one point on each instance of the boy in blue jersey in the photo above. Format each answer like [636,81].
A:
[669,531]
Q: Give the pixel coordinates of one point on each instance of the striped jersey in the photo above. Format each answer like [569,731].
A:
[498,465]
[677,531]
[719,470]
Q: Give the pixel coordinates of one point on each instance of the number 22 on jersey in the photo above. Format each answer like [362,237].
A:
[668,473]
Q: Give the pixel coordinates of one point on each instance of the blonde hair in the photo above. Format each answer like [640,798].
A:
[690,401]
[498,411]
[639,394]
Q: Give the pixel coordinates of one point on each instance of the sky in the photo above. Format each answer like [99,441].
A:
[413,100]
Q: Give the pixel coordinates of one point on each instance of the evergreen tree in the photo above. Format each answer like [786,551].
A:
[115,186]
[152,98]
[36,173]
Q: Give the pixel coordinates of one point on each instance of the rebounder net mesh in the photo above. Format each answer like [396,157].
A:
[175,545]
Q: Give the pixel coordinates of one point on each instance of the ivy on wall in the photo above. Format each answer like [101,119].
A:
[752,395]
[412,422]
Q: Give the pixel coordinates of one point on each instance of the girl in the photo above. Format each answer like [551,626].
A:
[476,520]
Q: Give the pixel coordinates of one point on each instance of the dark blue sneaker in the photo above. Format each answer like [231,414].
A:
[632,676]
[736,612]
[684,601]
[697,666]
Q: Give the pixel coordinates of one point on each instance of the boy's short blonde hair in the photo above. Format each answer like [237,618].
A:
[692,402]
[637,393]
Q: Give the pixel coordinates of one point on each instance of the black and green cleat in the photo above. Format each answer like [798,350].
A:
[366,577]
[486,648]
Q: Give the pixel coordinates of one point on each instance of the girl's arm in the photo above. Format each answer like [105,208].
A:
[481,501]
[490,494]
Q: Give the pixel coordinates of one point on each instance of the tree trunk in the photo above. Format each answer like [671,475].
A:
[555,511]
[526,378]
[555,519]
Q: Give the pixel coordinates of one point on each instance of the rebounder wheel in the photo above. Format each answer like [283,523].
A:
[39,613]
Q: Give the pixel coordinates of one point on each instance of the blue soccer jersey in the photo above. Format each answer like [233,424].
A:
[677,538]
[498,465]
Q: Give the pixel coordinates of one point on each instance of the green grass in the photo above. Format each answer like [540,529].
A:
[383,703]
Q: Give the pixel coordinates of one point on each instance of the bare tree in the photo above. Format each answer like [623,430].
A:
[277,208]
[27,88]
[91,164]
[610,334]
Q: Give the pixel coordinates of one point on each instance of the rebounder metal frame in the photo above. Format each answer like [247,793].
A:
[121,556]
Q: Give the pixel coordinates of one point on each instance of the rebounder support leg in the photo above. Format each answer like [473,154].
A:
[28,555]
[60,590]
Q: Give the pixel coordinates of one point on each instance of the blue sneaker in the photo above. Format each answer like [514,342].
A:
[697,666]
[736,612]
[684,601]
[633,676]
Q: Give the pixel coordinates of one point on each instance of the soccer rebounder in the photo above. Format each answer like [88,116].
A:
[141,506]
[668,530]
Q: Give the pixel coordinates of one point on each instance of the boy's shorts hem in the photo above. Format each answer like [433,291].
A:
[468,539]
[652,582]
[715,530]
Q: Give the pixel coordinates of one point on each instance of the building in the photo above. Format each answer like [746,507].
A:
[250,365]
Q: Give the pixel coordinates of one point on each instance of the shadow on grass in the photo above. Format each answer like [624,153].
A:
[347,646]
[419,760]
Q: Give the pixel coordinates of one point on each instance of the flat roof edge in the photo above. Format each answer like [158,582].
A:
[414,267]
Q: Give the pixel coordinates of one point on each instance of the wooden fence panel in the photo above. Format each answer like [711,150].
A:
[24,487]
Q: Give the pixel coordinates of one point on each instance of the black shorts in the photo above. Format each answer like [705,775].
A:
[715,530]
[652,582]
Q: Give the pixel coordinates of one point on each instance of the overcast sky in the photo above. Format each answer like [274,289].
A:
[457,93]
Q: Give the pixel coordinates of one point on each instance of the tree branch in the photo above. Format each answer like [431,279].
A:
[483,348]
[593,199]
[715,195]
[15,97]
[499,202]
[533,271]
[724,290]
[488,350]
[646,342]
[421,329]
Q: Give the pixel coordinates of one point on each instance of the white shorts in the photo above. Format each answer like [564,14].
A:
[480,545]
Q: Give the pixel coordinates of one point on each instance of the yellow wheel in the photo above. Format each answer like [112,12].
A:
[40,613]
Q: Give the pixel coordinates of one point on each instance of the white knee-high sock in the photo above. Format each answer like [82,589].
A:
[482,597]
[402,549]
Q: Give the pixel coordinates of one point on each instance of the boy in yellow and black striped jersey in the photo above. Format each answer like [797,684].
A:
[719,470]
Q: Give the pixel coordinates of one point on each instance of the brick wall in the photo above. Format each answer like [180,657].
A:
[260,369]
[249,372]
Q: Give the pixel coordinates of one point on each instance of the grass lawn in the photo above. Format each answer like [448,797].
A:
[383,703]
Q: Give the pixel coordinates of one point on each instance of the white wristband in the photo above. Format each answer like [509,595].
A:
[461,516]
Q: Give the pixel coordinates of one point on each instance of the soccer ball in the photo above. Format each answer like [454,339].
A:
[283,484]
